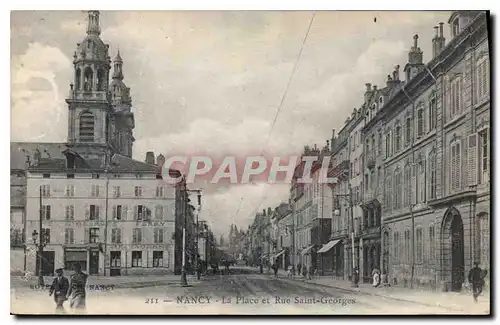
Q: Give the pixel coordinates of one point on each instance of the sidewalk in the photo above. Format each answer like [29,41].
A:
[136,281]
[459,301]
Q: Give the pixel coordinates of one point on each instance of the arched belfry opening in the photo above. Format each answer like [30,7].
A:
[78,79]
[88,79]
[101,82]
[452,241]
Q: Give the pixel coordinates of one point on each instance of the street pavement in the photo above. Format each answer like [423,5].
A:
[243,291]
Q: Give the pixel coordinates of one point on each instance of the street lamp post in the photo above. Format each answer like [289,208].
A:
[42,241]
[354,281]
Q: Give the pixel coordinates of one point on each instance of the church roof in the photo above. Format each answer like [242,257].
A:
[22,153]
[119,164]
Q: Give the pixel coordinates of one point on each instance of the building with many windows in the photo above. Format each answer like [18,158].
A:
[435,161]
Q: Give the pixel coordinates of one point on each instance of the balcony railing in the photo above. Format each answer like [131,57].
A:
[90,95]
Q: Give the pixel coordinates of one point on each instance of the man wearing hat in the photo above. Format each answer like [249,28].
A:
[476,278]
[59,288]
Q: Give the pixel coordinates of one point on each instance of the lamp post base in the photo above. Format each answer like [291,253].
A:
[184,279]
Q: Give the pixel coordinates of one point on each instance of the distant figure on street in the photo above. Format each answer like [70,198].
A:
[299,268]
[59,288]
[199,269]
[76,293]
[376,277]
[275,269]
[356,276]
[476,278]
[261,268]
[304,272]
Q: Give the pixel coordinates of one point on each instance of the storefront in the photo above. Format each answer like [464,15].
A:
[73,256]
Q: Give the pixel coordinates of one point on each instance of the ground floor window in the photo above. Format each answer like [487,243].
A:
[157,258]
[116,259]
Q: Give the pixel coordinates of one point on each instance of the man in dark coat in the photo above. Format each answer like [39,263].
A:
[59,288]
[476,278]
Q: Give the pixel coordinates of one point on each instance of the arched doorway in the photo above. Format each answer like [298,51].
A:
[453,249]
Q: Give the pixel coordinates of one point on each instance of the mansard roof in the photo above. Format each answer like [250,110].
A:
[22,154]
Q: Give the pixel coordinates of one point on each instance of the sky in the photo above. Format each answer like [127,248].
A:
[212,82]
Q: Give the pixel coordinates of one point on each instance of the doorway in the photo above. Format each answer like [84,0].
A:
[457,253]
[94,263]
[453,250]
[48,258]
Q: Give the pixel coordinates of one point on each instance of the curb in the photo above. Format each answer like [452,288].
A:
[374,294]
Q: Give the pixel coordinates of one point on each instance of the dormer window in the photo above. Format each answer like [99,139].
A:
[381,101]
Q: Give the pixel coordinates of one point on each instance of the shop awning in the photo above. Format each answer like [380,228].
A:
[278,255]
[307,250]
[328,246]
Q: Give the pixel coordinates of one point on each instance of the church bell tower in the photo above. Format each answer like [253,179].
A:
[90,109]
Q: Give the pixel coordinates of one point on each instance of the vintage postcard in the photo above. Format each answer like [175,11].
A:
[250,162]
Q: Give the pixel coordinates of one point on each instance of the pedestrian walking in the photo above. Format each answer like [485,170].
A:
[376,277]
[77,293]
[476,279]
[275,269]
[299,268]
[59,288]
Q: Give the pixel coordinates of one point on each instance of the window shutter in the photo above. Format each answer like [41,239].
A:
[136,212]
[144,259]
[472,159]
[87,212]
[66,236]
[124,212]
[97,214]
[86,237]
[114,212]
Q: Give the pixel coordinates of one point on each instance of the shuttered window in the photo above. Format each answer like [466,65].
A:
[432,175]
[472,160]
[420,121]
[455,171]
[455,96]
[482,72]
[432,245]
[407,244]
[397,138]
[408,185]
[408,131]
[421,181]
[432,113]
[69,236]
[70,212]
[485,155]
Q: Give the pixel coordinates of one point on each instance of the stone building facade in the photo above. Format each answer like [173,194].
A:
[435,160]
[99,207]
[341,223]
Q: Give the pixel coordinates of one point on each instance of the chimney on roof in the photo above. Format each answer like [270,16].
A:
[395,74]
[160,160]
[332,143]
[389,82]
[150,158]
[368,92]
[438,42]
